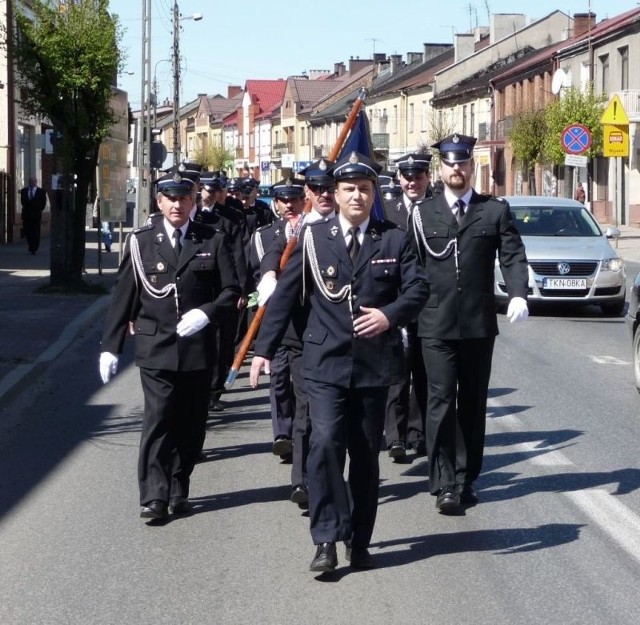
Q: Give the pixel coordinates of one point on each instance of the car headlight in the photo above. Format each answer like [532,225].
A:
[612,264]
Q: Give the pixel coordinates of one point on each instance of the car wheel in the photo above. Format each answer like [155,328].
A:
[614,309]
[636,358]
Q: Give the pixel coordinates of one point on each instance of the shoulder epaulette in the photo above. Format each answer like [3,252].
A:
[143,228]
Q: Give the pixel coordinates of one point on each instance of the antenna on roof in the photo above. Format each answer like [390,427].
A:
[373,40]
[486,5]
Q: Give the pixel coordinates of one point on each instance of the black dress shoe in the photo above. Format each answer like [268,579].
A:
[326,558]
[466,494]
[447,501]
[300,495]
[282,446]
[420,448]
[216,406]
[359,557]
[156,510]
[397,450]
[179,505]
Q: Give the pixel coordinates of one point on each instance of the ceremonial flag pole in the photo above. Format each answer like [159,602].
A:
[336,151]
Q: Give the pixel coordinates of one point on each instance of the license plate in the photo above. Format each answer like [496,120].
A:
[564,283]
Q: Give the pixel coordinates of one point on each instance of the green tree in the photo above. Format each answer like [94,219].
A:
[574,107]
[68,60]
[527,141]
[213,157]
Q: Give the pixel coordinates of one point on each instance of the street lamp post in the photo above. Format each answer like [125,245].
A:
[176,76]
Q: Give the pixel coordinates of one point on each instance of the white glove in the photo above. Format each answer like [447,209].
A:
[517,310]
[192,322]
[266,287]
[108,366]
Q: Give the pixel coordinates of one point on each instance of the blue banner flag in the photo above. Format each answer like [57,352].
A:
[359,140]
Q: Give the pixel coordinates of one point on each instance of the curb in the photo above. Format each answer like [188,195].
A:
[9,385]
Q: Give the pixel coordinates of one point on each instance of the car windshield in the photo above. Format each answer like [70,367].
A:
[555,221]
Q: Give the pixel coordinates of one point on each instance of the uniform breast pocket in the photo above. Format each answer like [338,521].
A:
[487,232]
[155,267]
[384,270]
[203,264]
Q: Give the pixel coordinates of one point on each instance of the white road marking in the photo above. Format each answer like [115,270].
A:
[609,360]
[612,516]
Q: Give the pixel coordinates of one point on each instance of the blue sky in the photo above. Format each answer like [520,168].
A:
[279,38]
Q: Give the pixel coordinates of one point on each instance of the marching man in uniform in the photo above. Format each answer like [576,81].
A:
[457,234]
[176,278]
[362,281]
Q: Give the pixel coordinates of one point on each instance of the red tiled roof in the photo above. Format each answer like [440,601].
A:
[266,93]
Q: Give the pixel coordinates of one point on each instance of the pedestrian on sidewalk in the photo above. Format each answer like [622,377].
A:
[33,200]
[176,278]
[362,282]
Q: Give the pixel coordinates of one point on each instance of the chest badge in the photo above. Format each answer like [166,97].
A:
[334,231]
[331,271]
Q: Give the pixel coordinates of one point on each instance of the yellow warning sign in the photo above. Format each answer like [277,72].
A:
[615,140]
[615,113]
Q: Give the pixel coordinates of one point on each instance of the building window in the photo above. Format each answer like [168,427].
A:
[424,115]
[472,120]
[411,117]
[604,73]
[303,136]
[464,119]
[624,68]
[395,118]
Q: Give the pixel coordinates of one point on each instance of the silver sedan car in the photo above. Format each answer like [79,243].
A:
[570,259]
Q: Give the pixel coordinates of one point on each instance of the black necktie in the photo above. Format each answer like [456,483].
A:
[461,209]
[354,244]
[177,234]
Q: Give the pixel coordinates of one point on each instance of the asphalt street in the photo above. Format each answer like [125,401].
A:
[554,540]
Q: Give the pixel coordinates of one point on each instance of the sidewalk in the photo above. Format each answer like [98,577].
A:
[35,327]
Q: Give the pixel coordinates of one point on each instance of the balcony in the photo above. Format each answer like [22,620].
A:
[631,103]
[283,148]
[380,140]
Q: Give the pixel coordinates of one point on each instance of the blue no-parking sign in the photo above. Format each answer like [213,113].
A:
[576,139]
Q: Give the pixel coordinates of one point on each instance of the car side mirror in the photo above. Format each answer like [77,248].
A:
[612,232]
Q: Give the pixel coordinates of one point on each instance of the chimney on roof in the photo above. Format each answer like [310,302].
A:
[233,91]
[464,46]
[379,57]
[396,62]
[414,57]
[432,50]
[339,69]
[583,23]
[505,24]
[355,65]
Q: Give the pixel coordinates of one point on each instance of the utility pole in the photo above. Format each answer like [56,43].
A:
[143,195]
[176,83]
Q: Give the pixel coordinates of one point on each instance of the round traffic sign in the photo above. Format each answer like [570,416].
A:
[576,139]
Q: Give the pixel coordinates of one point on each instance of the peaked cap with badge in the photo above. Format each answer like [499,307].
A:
[318,172]
[176,182]
[456,148]
[413,163]
[355,165]
[288,188]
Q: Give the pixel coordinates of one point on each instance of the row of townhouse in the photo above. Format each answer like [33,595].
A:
[475,86]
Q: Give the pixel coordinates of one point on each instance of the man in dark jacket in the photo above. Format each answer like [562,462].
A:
[176,279]
[33,200]
[457,234]
[363,282]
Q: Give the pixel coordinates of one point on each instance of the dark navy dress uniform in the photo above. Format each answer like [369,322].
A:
[458,325]
[346,376]
[175,371]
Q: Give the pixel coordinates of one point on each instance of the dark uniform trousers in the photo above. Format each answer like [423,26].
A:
[407,400]
[286,385]
[458,325]
[346,377]
[175,371]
